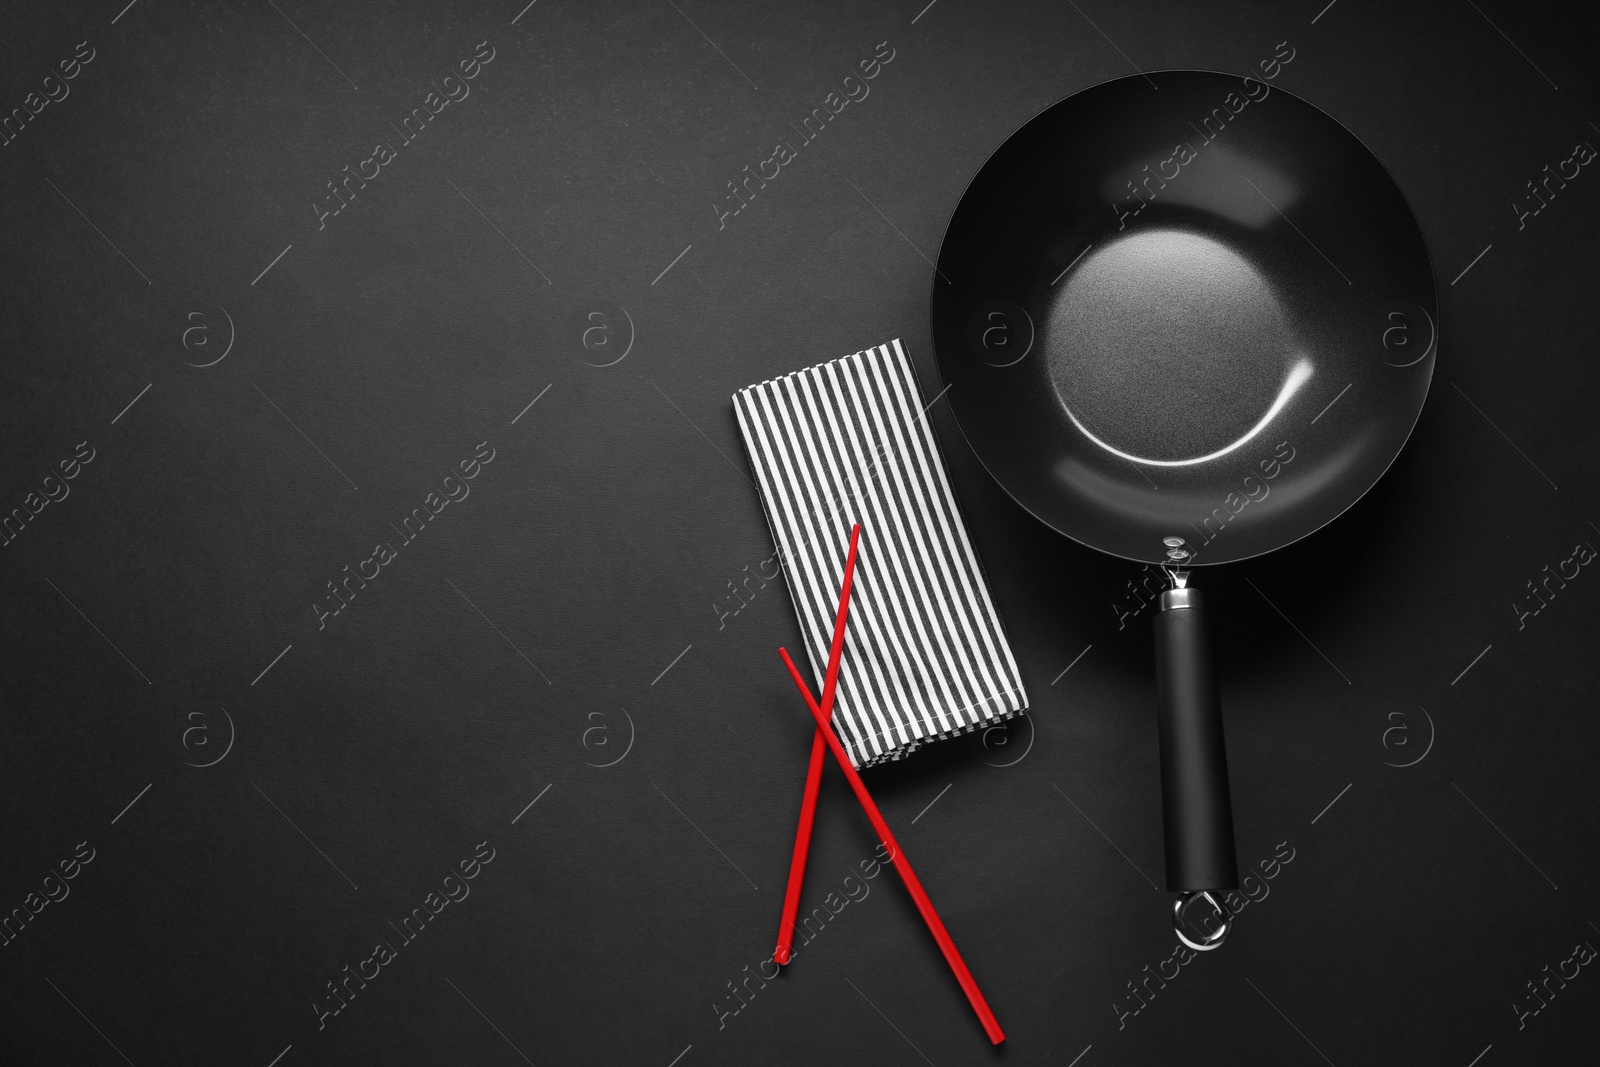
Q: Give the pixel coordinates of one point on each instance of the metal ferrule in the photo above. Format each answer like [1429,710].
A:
[1180,598]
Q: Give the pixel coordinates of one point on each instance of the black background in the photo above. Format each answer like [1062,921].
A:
[458,686]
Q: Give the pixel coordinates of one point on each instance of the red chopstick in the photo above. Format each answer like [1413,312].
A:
[952,955]
[808,803]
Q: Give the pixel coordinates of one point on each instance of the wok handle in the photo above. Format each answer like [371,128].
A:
[1196,808]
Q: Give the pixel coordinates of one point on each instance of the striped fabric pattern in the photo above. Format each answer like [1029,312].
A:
[925,654]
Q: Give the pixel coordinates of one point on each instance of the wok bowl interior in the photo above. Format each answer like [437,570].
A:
[1226,306]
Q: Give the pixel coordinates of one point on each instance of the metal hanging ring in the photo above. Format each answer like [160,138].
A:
[1180,910]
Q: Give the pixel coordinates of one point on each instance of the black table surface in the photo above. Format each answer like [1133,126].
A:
[526,791]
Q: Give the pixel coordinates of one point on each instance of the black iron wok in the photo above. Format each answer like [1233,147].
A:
[1185,319]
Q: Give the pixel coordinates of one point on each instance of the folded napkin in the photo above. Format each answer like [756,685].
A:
[925,654]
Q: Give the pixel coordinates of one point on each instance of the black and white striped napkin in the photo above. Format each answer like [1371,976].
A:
[925,654]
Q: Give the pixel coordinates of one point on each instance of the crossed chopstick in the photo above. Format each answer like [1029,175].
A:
[824,736]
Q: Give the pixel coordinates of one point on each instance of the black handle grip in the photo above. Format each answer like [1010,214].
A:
[1195,804]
